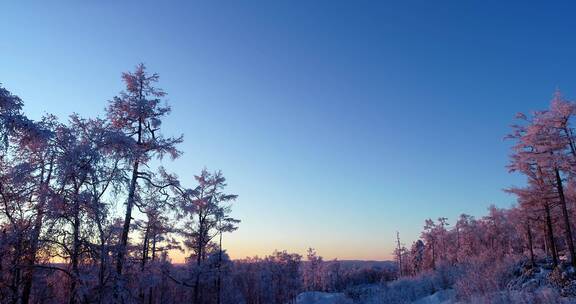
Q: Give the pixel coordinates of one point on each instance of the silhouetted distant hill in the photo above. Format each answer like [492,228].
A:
[364,264]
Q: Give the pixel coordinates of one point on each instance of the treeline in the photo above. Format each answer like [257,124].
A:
[539,228]
[500,233]
[276,278]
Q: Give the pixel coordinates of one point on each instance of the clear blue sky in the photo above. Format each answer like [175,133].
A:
[337,122]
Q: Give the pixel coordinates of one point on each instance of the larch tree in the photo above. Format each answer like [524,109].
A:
[417,256]
[442,237]
[430,241]
[205,210]
[544,152]
[36,156]
[138,113]
[312,271]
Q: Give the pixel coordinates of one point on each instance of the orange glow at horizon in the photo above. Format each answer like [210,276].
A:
[241,252]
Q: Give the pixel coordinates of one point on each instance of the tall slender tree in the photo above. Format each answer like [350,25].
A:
[138,113]
[205,210]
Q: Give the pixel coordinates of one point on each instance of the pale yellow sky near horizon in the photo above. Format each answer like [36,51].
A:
[178,257]
[237,250]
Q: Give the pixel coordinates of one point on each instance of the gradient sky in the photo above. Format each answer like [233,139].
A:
[337,122]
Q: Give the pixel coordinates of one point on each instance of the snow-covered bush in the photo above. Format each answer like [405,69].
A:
[541,296]
[409,289]
[485,275]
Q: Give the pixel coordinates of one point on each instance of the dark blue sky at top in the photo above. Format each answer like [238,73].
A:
[337,122]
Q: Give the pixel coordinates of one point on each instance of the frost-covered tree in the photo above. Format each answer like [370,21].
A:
[137,112]
[544,151]
[312,272]
[401,255]
[14,125]
[430,238]
[34,163]
[59,182]
[205,211]
[417,256]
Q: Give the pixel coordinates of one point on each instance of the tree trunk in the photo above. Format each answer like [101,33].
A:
[16,271]
[550,233]
[199,257]
[567,227]
[151,290]
[127,219]
[145,247]
[125,230]
[399,254]
[433,256]
[546,247]
[154,246]
[129,206]
[530,246]
[219,283]
[144,258]
[75,248]
[103,252]
[31,261]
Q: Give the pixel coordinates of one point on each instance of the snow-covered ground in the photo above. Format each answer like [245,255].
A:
[513,282]
[316,297]
[439,297]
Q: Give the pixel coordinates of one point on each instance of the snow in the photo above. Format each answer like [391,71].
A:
[316,297]
[439,297]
